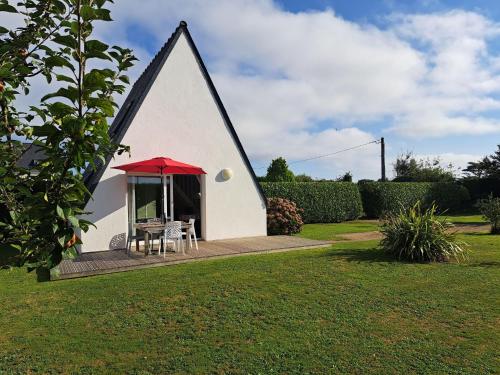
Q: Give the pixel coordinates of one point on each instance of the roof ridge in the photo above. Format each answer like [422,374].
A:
[161,51]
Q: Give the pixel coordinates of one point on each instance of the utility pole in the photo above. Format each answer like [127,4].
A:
[382,158]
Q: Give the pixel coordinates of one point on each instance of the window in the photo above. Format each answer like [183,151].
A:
[145,199]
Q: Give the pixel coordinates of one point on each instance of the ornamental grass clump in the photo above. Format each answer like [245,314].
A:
[419,235]
[283,217]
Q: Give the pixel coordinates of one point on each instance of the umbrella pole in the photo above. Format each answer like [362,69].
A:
[163,211]
[164,195]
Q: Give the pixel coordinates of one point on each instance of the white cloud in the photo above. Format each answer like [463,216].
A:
[457,161]
[281,74]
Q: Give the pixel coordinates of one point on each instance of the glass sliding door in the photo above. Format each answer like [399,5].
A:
[145,199]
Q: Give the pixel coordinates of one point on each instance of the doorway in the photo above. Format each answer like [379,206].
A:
[145,199]
[187,199]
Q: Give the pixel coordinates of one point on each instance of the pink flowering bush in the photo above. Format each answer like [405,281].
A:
[283,217]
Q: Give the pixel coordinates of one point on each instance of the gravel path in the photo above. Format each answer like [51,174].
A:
[376,235]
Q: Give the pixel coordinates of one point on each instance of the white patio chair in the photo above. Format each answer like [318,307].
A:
[172,235]
[191,234]
[154,232]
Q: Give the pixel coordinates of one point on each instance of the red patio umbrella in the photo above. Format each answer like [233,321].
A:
[162,166]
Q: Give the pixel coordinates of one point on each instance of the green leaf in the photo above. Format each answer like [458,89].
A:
[39,112]
[61,240]
[45,130]
[64,78]
[70,93]
[13,215]
[87,13]
[74,127]
[105,105]
[60,212]
[53,61]
[70,253]
[97,55]
[124,79]
[85,224]
[9,180]
[103,14]
[59,109]
[66,40]
[3,30]
[94,81]
[95,45]
[74,221]
[7,8]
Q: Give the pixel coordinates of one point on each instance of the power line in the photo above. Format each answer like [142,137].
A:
[377,141]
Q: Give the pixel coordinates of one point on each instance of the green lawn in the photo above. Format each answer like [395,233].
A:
[345,309]
[332,231]
[468,219]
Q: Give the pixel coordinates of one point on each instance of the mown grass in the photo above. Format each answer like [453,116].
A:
[466,219]
[344,309]
[333,231]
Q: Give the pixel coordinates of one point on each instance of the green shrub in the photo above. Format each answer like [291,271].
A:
[283,217]
[321,202]
[419,235]
[490,208]
[389,197]
[481,188]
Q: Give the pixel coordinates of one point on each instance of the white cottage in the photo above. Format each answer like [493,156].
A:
[173,110]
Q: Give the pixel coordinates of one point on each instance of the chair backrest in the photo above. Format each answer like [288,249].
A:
[191,226]
[173,229]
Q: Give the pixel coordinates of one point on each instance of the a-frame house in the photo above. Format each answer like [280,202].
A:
[174,110]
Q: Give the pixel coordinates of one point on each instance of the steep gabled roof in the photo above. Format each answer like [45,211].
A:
[32,154]
[139,92]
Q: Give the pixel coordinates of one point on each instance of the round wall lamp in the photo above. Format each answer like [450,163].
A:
[227,173]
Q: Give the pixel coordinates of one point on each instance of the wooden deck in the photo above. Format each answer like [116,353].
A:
[103,262]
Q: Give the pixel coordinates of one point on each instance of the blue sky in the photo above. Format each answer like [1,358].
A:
[305,78]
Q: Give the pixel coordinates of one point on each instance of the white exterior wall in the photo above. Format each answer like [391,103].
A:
[180,119]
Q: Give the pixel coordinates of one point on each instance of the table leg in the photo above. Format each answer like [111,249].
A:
[146,243]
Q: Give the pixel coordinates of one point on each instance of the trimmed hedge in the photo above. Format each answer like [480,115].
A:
[321,202]
[448,196]
[482,188]
[381,197]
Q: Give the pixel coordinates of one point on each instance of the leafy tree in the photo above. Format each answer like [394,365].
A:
[488,167]
[409,169]
[346,177]
[41,212]
[490,208]
[278,171]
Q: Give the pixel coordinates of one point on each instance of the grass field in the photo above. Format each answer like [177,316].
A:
[467,219]
[333,231]
[346,309]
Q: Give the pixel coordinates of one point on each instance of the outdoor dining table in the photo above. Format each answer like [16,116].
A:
[155,227]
